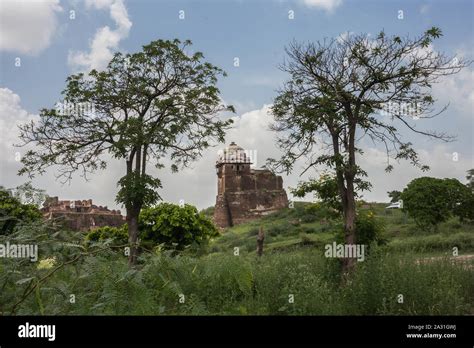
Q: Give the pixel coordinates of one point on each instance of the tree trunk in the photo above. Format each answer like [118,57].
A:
[349,225]
[132,222]
[350,206]
[260,239]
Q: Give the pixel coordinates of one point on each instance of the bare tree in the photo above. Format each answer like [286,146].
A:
[343,89]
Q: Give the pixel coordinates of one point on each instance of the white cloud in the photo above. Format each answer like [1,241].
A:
[326,5]
[102,188]
[106,40]
[27,27]
[11,115]
[439,158]
[457,91]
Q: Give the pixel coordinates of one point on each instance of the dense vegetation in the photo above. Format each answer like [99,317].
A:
[431,201]
[166,225]
[73,277]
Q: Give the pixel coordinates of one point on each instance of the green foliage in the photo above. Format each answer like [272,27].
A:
[137,187]
[431,288]
[118,235]
[470,179]
[156,104]
[394,196]
[333,95]
[431,201]
[325,189]
[222,284]
[209,211]
[321,211]
[174,226]
[369,229]
[13,212]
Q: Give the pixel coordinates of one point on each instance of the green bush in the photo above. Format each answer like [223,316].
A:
[13,212]
[175,227]
[369,229]
[118,235]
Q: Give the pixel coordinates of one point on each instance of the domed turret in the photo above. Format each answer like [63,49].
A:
[233,154]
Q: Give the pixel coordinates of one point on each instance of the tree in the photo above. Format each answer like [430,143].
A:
[394,196]
[175,227]
[431,201]
[144,106]
[324,188]
[343,89]
[470,179]
[12,212]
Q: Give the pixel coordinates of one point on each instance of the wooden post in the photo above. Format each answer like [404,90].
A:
[260,238]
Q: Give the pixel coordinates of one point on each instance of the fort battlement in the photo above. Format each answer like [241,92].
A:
[244,193]
[81,215]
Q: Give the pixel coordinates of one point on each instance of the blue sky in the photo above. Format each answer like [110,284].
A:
[255,32]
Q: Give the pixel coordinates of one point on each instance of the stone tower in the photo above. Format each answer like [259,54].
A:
[244,193]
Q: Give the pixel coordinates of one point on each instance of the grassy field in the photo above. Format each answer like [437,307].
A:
[290,229]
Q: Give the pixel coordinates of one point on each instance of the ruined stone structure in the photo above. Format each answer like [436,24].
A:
[81,215]
[244,193]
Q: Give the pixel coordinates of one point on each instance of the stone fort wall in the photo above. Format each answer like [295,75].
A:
[81,215]
[244,194]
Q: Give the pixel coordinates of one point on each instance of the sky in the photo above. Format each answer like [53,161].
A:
[43,42]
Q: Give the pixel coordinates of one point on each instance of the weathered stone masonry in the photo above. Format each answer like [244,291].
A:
[81,215]
[243,193]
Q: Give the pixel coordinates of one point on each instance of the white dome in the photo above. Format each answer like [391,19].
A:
[233,154]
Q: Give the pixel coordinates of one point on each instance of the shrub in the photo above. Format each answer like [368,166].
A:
[13,212]
[175,227]
[118,235]
[369,229]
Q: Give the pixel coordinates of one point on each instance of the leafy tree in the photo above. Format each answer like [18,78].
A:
[343,89]
[462,199]
[431,201]
[174,226]
[394,196]
[470,178]
[13,212]
[160,102]
[325,189]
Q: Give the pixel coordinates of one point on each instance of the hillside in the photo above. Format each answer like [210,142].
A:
[300,227]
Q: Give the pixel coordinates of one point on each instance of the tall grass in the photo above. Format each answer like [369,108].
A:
[221,284]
